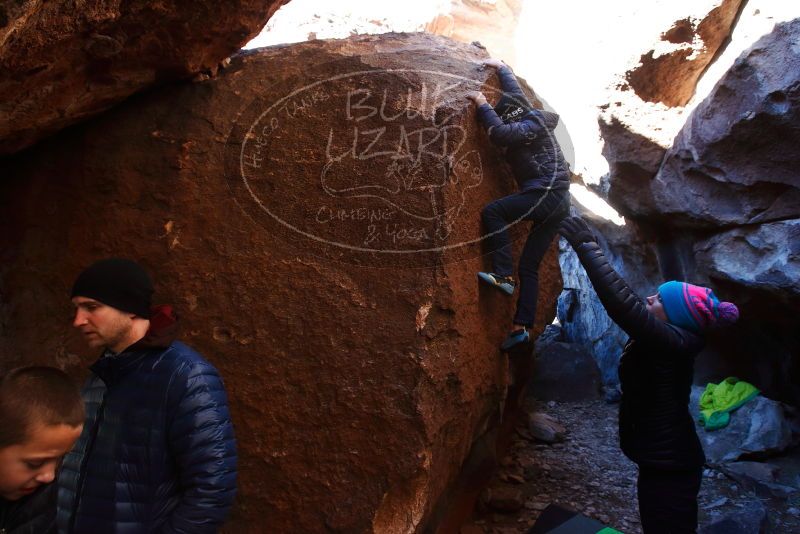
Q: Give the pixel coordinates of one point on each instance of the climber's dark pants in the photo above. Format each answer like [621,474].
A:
[546,209]
[668,500]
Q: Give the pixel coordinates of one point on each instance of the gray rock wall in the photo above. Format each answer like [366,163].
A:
[582,316]
[736,160]
[722,211]
[764,257]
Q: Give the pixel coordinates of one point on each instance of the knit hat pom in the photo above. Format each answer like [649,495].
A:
[728,313]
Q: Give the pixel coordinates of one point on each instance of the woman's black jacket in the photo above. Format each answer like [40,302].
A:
[655,427]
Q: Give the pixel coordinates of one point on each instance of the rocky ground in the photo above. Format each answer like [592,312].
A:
[585,471]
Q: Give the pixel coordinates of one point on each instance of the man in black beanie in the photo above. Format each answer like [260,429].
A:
[112,298]
[157,452]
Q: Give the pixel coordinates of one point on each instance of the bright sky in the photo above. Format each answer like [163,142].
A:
[292,22]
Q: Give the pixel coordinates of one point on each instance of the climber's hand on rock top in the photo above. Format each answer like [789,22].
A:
[478,97]
[494,63]
[576,231]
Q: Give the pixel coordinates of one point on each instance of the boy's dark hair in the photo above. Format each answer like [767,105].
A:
[36,395]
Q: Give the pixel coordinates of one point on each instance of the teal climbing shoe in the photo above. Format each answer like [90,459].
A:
[514,339]
[503,283]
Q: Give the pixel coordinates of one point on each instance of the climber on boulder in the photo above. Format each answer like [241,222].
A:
[656,431]
[526,136]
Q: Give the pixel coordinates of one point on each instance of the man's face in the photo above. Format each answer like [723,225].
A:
[25,467]
[102,325]
[656,307]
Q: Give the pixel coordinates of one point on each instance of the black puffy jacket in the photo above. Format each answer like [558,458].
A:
[531,147]
[157,452]
[32,514]
[655,371]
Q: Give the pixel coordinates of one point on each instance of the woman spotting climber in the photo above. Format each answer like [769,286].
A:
[543,176]
[655,428]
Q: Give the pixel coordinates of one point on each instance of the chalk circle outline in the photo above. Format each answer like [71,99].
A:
[249,134]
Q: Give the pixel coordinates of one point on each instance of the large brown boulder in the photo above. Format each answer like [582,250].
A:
[61,61]
[314,213]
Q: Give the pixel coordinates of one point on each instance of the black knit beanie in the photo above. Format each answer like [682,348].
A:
[119,283]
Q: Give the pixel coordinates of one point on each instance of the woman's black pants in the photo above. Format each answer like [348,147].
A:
[668,500]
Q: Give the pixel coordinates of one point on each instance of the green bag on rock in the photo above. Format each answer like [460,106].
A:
[719,400]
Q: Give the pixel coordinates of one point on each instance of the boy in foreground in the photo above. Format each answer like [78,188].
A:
[41,416]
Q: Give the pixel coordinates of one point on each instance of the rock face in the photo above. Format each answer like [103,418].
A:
[735,161]
[722,206]
[61,62]
[645,108]
[565,372]
[582,316]
[763,257]
[731,185]
[757,430]
[634,158]
[314,214]
[669,73]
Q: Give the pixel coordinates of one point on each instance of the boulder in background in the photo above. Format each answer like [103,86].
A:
[565,372]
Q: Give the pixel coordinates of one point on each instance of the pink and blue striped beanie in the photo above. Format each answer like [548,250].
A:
[695,308]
